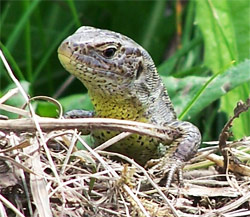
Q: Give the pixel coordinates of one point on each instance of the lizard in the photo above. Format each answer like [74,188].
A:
[123,83]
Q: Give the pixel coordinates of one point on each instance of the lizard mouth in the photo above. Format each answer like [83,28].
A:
[86,66]
[65,55]
[78,67]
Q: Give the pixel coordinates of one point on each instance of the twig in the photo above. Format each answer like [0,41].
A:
[8,95]
[225,133]
[11,206]
[112,141]
[167,134]
[146,174]
[114,174]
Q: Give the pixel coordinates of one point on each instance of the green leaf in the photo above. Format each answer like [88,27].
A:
[239,12]
[213,18]
[194,94]
[46,109]
[12,63]
[155,16]
[225,26]
[76,101]
[16,100]
[183,90]
[167,67]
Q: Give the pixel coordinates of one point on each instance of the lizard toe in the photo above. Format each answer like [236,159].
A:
[164,169]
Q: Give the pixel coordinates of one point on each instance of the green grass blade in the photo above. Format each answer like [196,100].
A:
[188,26]
[221,29]
[153,21]
[4,15]
[28,52]
[12,63]
[199,93]
[167,67]
[218,85]
[51,49]
[72,7]
[15,35]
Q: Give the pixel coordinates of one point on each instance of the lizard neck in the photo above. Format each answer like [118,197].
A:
[121,105]
[145,100]
[152,94]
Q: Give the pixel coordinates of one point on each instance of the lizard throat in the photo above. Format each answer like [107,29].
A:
[116,106]
[109,99]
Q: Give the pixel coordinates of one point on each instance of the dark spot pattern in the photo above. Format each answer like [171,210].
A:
[123,83]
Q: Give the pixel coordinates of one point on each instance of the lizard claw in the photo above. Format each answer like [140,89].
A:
[166,168]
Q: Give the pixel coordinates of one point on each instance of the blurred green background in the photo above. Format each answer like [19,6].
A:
[201,49]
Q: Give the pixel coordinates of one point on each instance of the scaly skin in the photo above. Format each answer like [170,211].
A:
[123,83]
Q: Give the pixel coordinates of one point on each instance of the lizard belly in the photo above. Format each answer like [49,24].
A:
[140,148]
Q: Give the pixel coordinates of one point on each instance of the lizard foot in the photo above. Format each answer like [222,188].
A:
[166,168]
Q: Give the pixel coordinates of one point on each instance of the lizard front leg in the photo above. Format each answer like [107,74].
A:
[77,113]
[180,151]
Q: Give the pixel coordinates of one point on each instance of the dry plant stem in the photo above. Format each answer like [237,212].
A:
[110,211]
[38,184]
[72,145]
[209,182]
[18,165]
[11,206]
[112,141]
[244,156]
[146,174]
[35,121]
[235,204]
[218,160]
[8,95]
[15,110]
[21,145]
[224,135]
[114,174]
[65,84]
[14,141]
[65,184]
[244,170]
[240,212]
[2,210]
[167,134]
[50,99]
[125,204]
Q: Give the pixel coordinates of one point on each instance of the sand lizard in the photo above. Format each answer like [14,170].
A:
[123,83]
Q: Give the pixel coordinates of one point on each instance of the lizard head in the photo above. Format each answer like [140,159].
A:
[103,59]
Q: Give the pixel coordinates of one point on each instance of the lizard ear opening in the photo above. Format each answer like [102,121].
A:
[139,70]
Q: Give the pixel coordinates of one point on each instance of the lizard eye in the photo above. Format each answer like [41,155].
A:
[109,52]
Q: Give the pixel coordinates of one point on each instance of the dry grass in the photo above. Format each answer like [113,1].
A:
[70,182]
